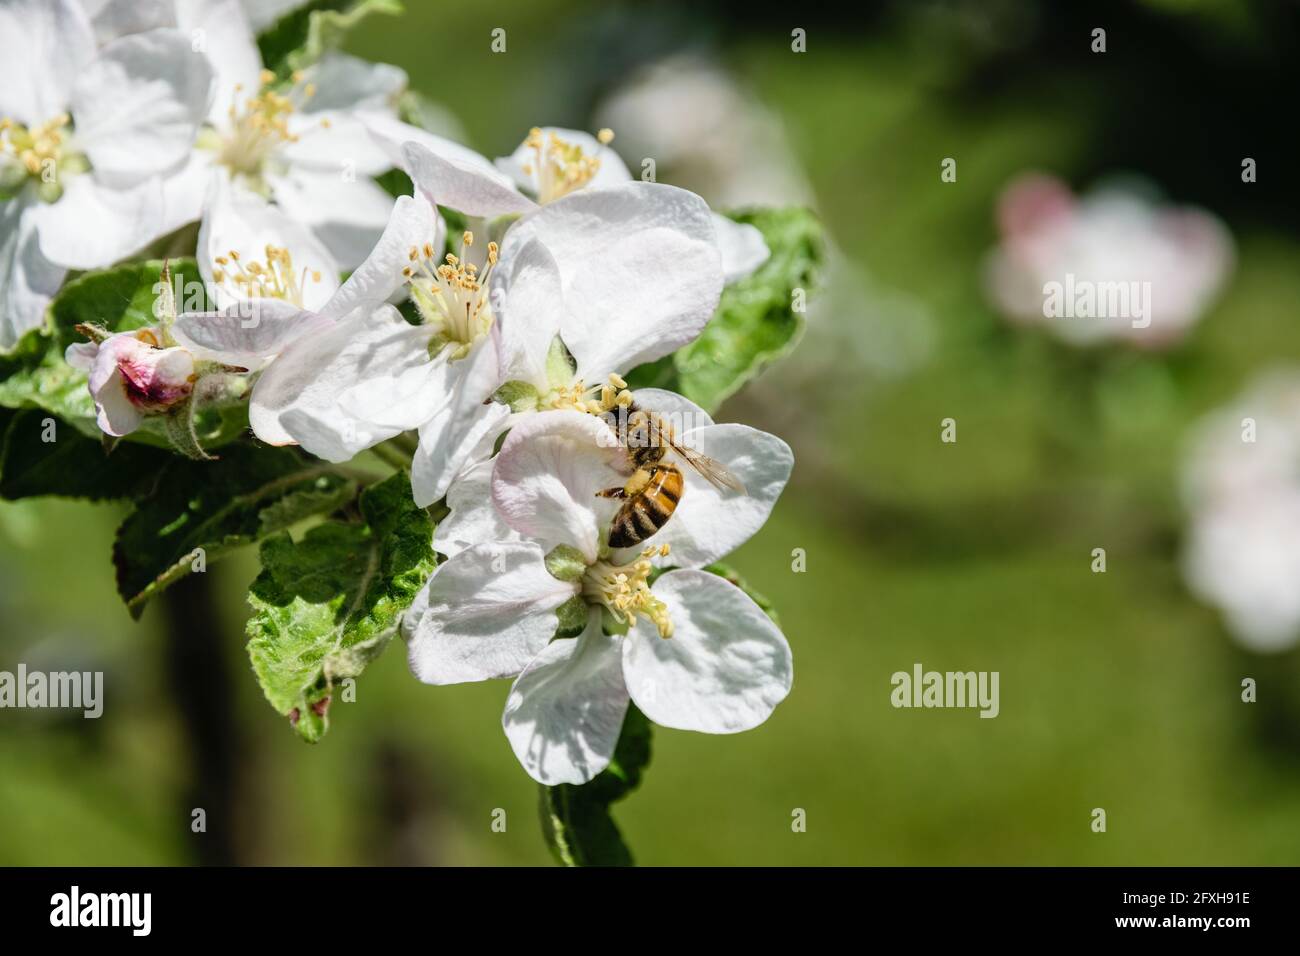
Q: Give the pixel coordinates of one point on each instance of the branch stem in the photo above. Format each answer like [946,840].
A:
[392,455]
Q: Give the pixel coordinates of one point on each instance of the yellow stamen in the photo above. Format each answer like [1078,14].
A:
[38,148]
[452,295]
[625,590]
[276,278]
[259,123]
[561,166]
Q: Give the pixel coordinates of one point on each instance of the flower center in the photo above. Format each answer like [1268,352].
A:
[624,589]
[258,125]
[451,296]
[156,378]
[273,279]
[561,166]
[596,400]
[37,153]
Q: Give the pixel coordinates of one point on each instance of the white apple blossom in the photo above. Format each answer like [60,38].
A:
[551,163]
[87,138]
[250,251]
[564,353]
[697,653]
[371,375]
[473,519]
[1242,491]
[299,142]
[249,248]
[630,273]
[1175,258]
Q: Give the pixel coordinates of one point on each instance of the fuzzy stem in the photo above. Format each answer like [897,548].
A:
[392,455]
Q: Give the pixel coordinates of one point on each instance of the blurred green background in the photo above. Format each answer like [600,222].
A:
[1117,690]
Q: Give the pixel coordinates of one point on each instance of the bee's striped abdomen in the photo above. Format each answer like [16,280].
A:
[646,512]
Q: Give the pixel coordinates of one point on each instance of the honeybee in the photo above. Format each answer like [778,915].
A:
[652,493]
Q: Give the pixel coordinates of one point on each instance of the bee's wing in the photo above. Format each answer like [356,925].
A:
[714,472]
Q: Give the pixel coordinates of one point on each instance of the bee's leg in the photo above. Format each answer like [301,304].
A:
[619,492]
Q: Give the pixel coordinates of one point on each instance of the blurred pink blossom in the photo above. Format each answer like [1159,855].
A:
[1162,264]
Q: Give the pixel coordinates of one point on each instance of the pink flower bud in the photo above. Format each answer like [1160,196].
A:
[131,376]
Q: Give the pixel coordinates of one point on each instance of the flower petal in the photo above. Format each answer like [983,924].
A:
[412,223]
[548,473]
[239,221]
[247,334]
[473,518]
[107,355]
[118,18]
[297,397]
[640,268]
[346,82]
[138,105]
[566,710]
[81,355]
[391,134]
[725,668]
[407,397]
[742,246]
[347,213]
[114,412]
[677,410]
[710,523]
[334,142]
[527,289]
[185,191]
[47,44]
[222,31]
[448,179]
[451,438]
[93,226]
[28,280]
[483,614]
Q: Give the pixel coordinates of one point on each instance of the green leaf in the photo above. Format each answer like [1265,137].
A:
[302,36]
[395,183]
[245,495]
[755,323]
[119,300]
[325,606]
[576,820]
[71,465]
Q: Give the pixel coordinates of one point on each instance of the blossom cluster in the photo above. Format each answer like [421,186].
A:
[490,316]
